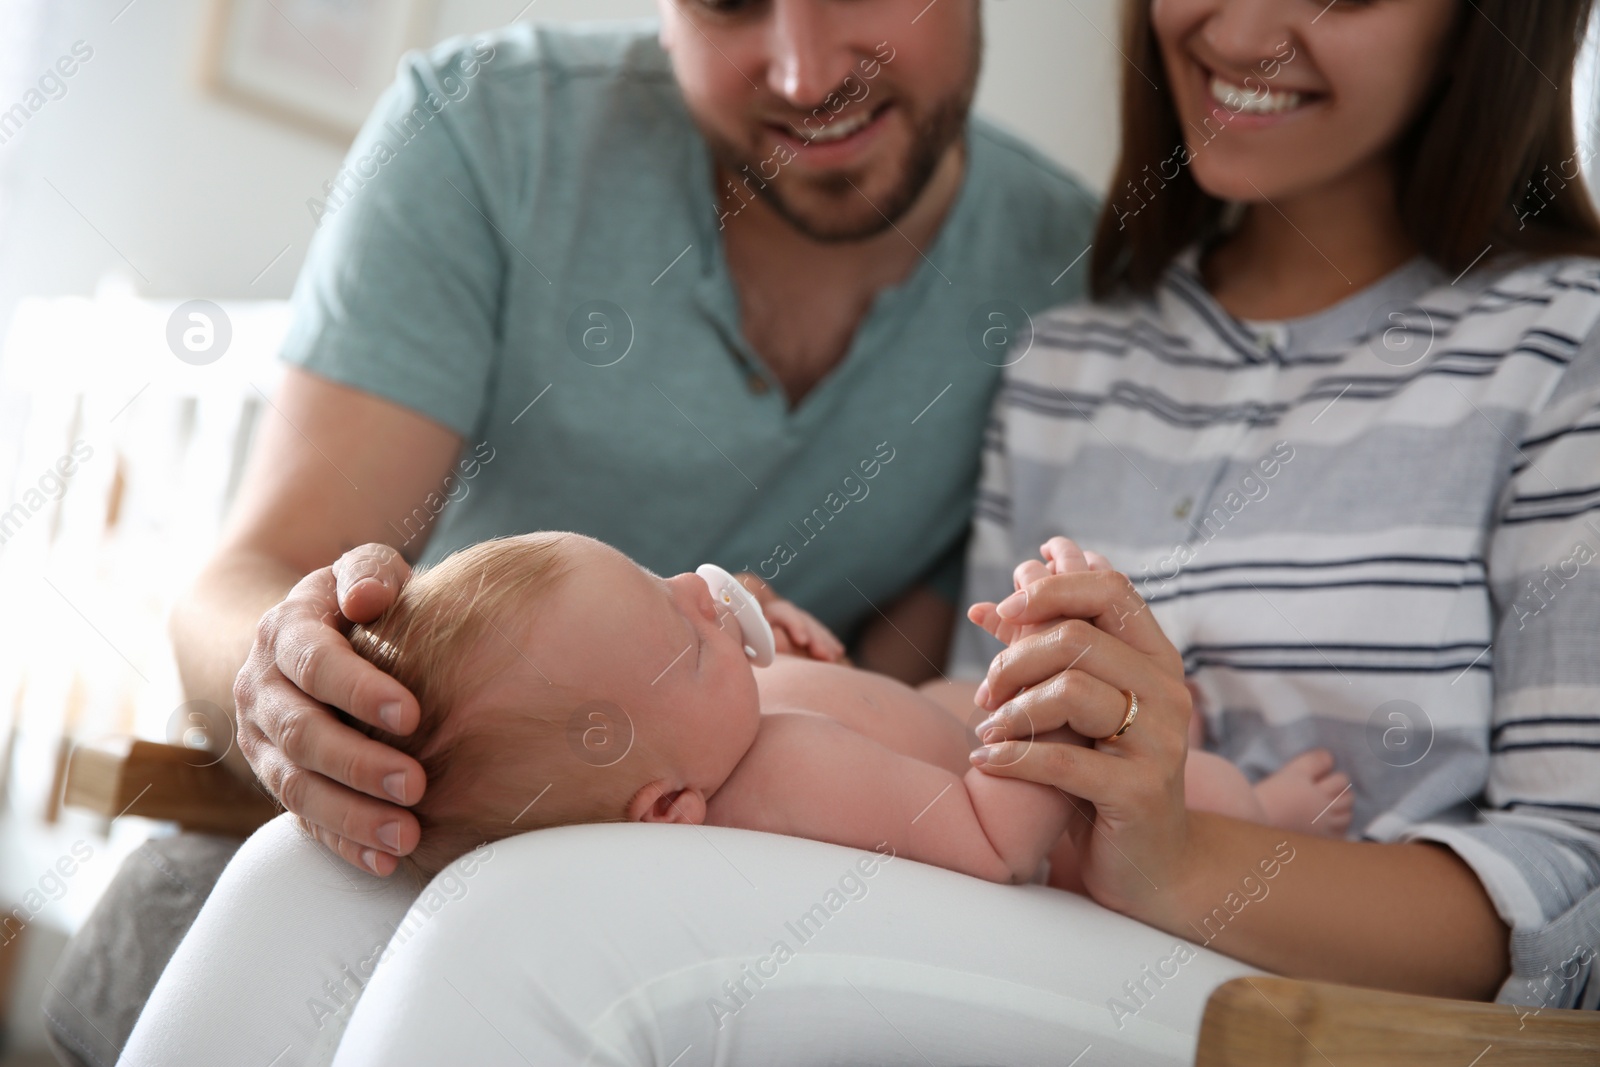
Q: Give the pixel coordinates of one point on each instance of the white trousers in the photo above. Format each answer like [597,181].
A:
[679,946]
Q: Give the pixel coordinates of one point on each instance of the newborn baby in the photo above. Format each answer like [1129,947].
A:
[561,683]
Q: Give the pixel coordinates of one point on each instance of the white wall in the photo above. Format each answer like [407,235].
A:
[153,177]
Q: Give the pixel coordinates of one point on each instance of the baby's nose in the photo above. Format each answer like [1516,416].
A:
[693,593]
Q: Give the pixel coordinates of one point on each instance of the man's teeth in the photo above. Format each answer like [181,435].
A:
[837,130]
[1258,101]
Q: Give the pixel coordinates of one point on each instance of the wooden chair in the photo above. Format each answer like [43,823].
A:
[1254,1021]
[126,776]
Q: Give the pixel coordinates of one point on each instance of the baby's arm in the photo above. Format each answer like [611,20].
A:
[809,776]
[795,631]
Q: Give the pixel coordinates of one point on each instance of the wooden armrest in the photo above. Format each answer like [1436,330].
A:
[126,776]
[1251,1021]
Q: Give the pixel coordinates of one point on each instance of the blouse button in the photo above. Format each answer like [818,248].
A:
[1184,507]
[758,384]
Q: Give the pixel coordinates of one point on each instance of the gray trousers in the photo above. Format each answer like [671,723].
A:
[110,966]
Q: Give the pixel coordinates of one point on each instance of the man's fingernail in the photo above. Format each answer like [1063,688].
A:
[390,714]
[1011,607]
[395,785]
[980,756]
[981,697]
[370,858]
[991,735]
[389,834]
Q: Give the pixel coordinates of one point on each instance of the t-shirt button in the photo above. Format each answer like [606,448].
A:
[758,384]
[1185,506]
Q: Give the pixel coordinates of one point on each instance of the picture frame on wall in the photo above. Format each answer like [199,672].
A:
[317,64]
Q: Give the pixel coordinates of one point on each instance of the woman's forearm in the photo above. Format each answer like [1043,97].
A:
[1408,917]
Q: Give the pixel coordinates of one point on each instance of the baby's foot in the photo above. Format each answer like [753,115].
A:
[1308,795]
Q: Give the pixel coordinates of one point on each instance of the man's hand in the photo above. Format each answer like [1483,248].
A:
[300,666]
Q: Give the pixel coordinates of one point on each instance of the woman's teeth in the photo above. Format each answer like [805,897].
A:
[1258,101]
[837,130]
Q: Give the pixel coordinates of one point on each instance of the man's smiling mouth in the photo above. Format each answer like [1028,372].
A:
[838,128]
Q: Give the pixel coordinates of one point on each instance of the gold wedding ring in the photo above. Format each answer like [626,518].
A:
[1127,720]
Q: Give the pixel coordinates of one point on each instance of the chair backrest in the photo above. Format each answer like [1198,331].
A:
[119,459]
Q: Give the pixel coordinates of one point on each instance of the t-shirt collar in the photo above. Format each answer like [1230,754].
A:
[1332,329]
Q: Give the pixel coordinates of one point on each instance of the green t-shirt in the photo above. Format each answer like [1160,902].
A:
[523,245]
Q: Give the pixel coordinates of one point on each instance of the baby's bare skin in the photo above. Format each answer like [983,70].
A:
[891,713]
[859,759]
[803,748]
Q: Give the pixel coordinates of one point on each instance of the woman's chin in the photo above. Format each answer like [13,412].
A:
[1246,181]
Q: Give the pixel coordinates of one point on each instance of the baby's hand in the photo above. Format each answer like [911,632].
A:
[795,631]
[1057,556]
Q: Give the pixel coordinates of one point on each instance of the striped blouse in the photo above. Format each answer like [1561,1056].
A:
[1375,529]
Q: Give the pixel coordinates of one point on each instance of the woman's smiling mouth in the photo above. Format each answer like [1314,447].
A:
[1256,100]
[1251,101]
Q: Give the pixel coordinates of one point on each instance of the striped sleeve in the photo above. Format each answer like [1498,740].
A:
[990,553]
[1537,850]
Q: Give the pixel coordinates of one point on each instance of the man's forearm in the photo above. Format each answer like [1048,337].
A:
[214,624]
[910,639]
[1409,917]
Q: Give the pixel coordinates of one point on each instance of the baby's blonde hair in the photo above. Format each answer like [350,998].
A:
[452,629]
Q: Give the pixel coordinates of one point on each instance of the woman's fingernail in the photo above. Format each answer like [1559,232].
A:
[981,756]
[389,834]
[370,858]
[389,714]
[981,697]
[992,735]
[1011,606]
[395,785]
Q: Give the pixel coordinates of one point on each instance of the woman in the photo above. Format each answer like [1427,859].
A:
[1336,412]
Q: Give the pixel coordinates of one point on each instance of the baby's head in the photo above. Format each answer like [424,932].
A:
[559,683]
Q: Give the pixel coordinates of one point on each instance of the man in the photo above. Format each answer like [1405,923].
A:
[735,288]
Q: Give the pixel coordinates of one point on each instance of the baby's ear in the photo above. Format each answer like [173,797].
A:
[659,802]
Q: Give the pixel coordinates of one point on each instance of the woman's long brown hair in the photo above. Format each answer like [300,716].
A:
[1490,161]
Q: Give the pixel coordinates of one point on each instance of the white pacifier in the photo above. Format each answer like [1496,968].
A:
[738,601]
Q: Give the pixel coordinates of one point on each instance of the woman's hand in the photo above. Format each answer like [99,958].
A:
[1099,642]
[346,788]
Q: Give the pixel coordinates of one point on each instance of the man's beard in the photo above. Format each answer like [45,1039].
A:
[931,139]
